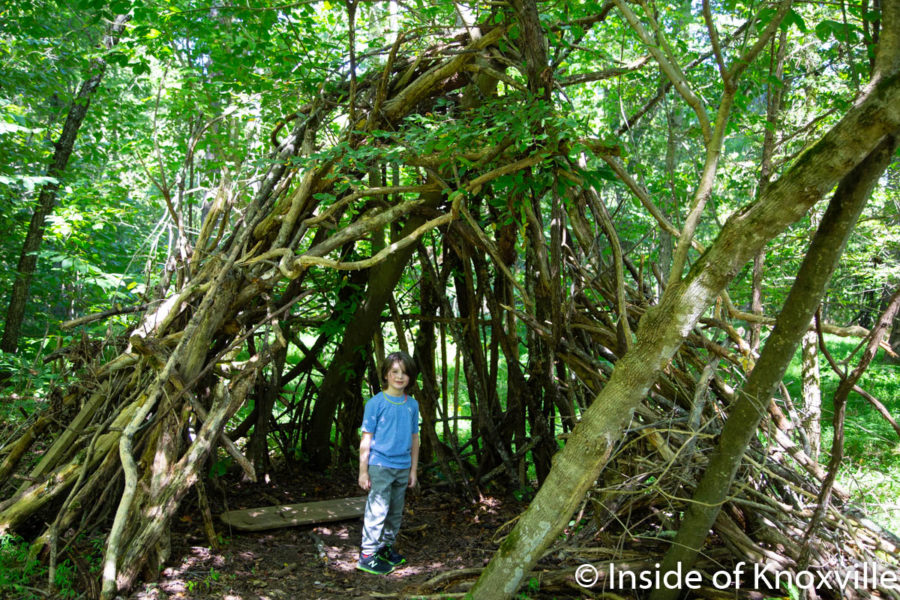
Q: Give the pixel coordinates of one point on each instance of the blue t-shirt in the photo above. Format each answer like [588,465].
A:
[392,421]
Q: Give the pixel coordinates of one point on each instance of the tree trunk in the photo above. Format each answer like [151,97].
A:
[423,354]
[792,324]
[15,313]
[894,341]
[265,394]
[357,334]
[664,327]
[533,47]
[812,394]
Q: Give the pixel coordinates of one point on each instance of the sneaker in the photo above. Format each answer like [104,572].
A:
[372,563]
[390,556]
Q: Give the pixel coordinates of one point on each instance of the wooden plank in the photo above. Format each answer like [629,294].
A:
[290,515]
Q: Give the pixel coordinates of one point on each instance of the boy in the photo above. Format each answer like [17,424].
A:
[388,458]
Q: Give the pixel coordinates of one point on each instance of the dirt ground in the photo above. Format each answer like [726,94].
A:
[441,533]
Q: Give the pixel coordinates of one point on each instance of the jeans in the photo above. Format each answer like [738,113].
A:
[384,508]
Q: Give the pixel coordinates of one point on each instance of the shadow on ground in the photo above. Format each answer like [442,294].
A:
[441,533]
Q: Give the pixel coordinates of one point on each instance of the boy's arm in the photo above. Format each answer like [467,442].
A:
[364,445]
[415,460]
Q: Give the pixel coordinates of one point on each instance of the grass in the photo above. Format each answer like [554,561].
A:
[871,466]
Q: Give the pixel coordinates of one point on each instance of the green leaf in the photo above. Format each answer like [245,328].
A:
[765,17]
[140,68]
[842,32]
[823,30]
[793,18]
[872,15]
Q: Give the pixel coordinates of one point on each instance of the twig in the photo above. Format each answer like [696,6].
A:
[103,315]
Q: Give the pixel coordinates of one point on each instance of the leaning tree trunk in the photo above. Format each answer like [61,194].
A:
[663,328]
[15,313]
[793,322]
[382,281]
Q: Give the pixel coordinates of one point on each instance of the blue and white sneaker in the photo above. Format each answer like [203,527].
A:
[373,563]
[390,556]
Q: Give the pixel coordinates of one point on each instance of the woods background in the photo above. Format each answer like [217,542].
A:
[645,255]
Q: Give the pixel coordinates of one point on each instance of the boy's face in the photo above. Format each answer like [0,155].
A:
[397,379]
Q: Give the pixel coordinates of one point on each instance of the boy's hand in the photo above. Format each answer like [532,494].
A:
[412,479]
[364,481]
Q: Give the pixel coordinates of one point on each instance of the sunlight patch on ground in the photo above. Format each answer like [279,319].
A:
[340,532]
[419,569]
[489,505]
[194,571]
[341,559]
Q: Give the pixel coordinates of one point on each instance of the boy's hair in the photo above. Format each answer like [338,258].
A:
[409,366]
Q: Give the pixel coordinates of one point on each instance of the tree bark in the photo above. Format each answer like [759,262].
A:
[534,47]
[812,395]
[894,341]
[793,321]
[664,327]
[15,313]
[357,334]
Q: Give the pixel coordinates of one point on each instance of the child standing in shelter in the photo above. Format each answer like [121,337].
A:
[388,458]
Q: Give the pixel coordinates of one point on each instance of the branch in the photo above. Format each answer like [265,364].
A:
[381,92]
[491,249]
[418,89]
[605,73]
[737,68]
[623,329]
[664,88]
[102,315]
[477,68]
[669,67]
[351,41]
[714,144]
[292,269]
[301,263]
[714,41]
[881,408]
[376,191]
[638,190]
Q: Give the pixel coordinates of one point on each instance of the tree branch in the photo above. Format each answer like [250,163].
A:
[668,65]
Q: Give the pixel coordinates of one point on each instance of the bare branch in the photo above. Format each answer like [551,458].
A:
[669,66]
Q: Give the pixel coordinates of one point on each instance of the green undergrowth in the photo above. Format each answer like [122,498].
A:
[25,578]
[871,465]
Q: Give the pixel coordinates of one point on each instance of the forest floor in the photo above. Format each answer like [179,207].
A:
[441,532]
